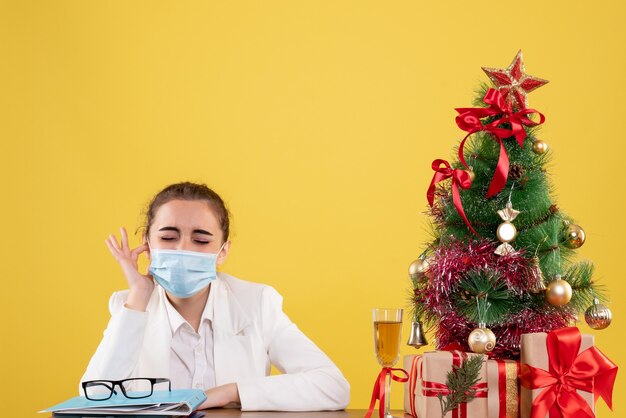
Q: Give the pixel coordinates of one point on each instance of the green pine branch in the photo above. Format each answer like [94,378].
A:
[584,290]
[484,288]
[460,382]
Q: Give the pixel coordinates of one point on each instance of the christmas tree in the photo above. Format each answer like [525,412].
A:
[501,262]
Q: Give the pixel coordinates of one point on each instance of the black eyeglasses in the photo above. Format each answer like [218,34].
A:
[101,390]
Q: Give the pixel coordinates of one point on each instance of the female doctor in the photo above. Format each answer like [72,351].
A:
[203,329]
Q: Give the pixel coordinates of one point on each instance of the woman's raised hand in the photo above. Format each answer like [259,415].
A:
[141,285]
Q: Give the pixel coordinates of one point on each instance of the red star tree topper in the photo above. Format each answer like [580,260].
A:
[514,83]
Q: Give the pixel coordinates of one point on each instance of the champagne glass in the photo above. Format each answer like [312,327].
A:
[387,335]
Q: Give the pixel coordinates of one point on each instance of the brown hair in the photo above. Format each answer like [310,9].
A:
[189,191]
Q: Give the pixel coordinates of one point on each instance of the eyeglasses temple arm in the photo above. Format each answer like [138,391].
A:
[162,380]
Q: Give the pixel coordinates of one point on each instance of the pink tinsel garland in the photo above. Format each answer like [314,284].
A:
[449,266]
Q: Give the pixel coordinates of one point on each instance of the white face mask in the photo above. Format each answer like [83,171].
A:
[183,273]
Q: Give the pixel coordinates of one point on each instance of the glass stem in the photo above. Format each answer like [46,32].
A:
[388,397]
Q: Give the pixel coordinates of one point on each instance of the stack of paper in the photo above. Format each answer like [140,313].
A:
[172,403]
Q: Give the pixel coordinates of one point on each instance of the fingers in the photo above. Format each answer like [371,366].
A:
[109,246]
[124,251]
[125,245]
[135,253]
[115,248]
[111,242]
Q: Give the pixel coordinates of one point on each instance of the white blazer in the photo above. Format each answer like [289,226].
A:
[250,332]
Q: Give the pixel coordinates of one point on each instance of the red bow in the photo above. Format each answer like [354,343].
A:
[469,120]
[454,346]
[589,371]
[459,178]
[380,390]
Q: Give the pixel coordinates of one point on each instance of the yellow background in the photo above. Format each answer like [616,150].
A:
[317,121]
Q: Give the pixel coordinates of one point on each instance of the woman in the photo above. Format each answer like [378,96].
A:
[203,329]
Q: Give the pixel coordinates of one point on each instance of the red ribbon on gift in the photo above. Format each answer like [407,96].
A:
[469,120]
[413,383]
[460,178]
[380,390]
[589,371]
[434,388]
[415,364]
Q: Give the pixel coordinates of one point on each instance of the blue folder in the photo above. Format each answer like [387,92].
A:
[163,402]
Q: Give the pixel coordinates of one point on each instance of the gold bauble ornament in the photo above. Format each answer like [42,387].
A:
[540,147]
[482,340]
[558,292]
[598,316]
[574,236]
[417,269]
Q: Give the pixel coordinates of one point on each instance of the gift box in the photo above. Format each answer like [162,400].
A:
[502,383]
[427,378]
[562,374]
[503,396]
[410,364]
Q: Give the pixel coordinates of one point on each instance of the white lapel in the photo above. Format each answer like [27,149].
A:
[232,336]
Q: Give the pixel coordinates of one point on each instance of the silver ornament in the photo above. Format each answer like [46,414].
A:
[417,338]
[598,316]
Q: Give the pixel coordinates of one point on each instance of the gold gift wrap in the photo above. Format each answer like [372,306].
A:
[503,381]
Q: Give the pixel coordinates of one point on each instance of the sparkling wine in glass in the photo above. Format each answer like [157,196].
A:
[387,335]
